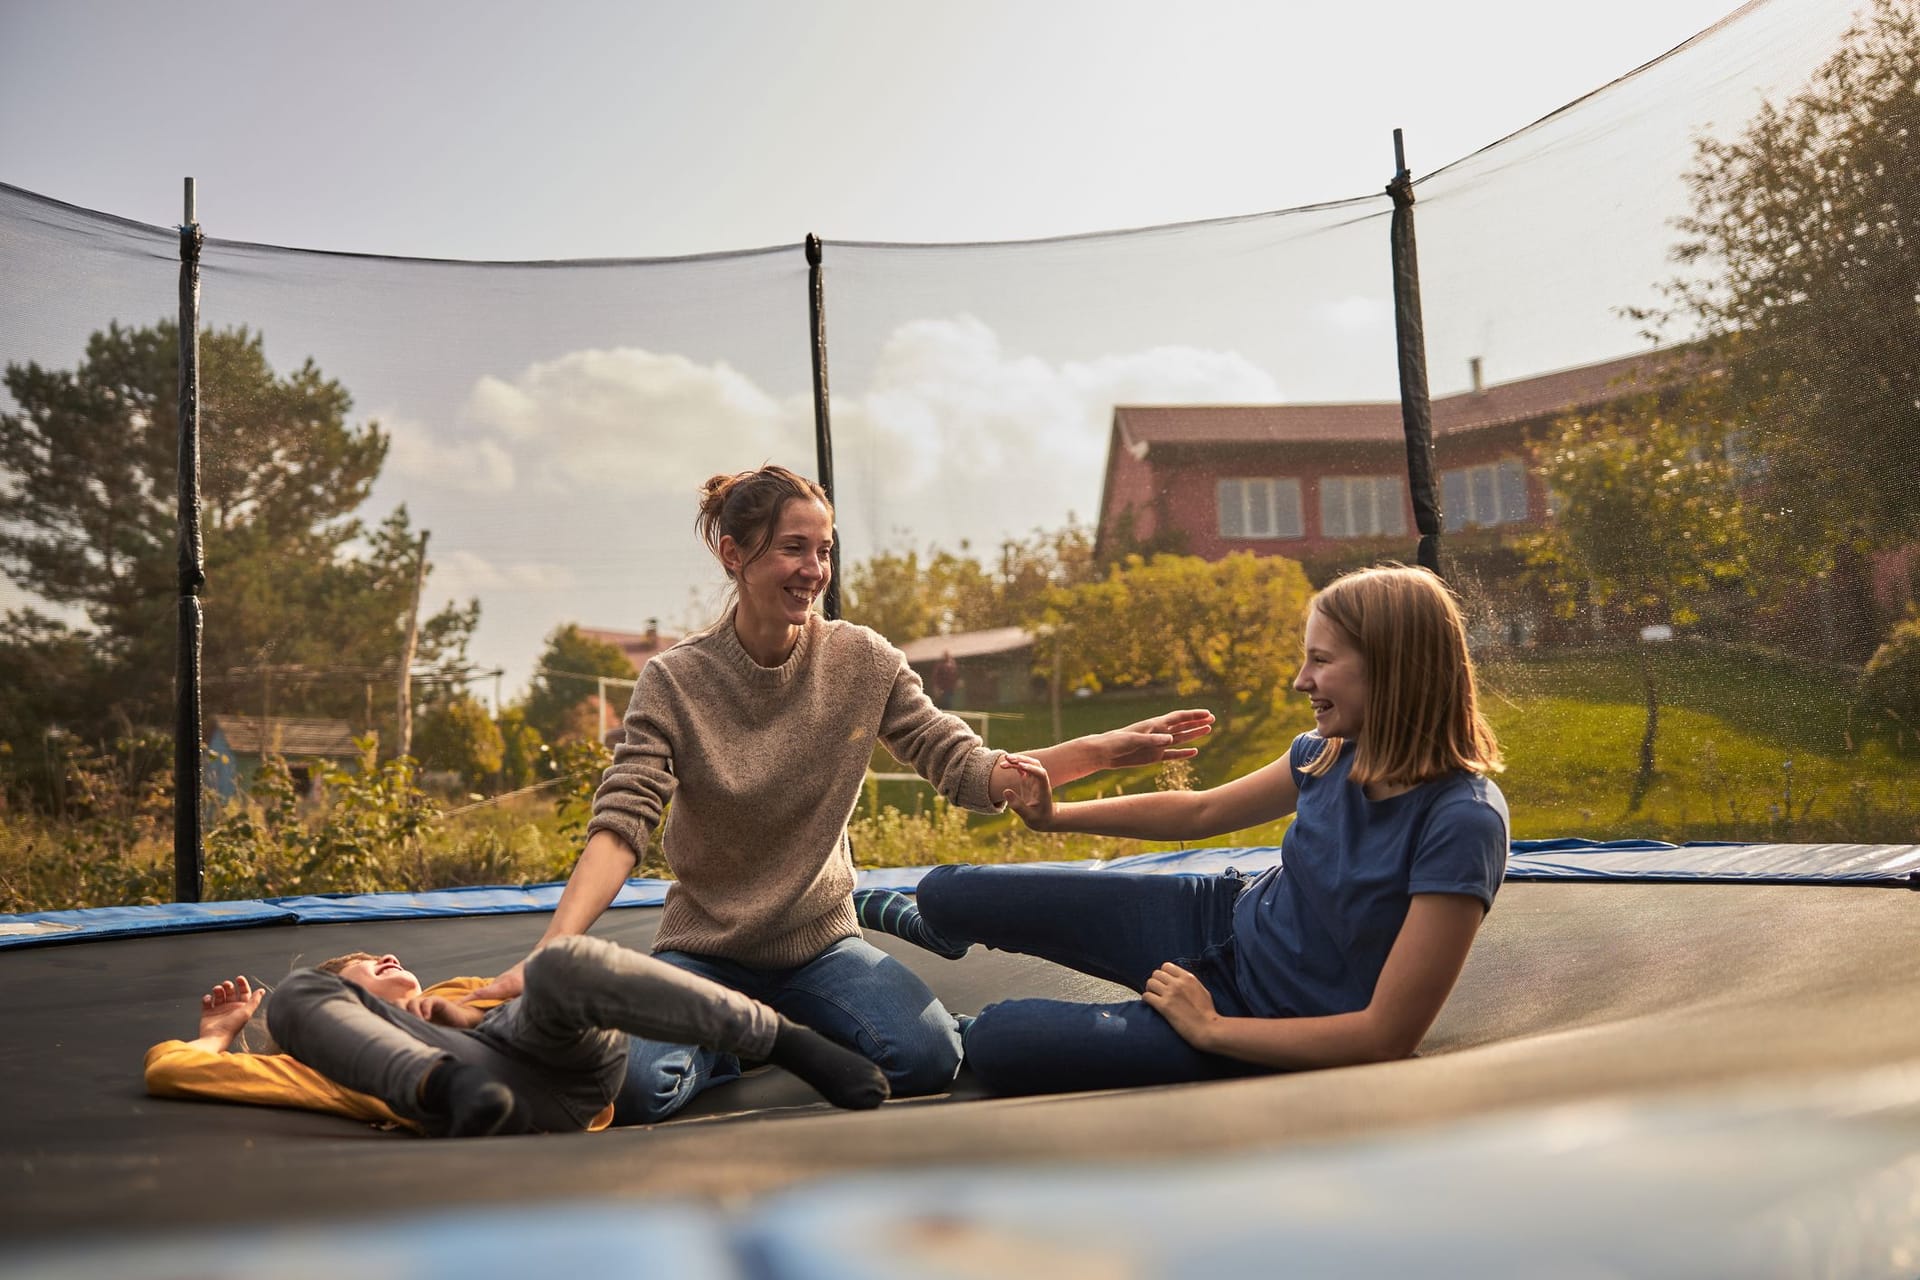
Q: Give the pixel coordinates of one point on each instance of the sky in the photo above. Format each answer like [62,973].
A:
[550,425]
[569,129]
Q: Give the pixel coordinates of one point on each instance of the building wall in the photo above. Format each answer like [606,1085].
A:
[1183,483]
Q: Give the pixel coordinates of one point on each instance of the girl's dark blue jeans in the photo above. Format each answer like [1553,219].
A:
[1116,926]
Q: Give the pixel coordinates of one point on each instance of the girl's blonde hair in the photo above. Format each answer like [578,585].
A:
[1423,716]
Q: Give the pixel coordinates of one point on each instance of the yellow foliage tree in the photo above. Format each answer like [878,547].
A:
[1227,631]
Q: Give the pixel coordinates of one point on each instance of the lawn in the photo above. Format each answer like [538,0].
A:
[1751,746]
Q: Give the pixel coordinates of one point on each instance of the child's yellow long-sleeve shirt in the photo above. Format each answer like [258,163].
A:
[180,1069]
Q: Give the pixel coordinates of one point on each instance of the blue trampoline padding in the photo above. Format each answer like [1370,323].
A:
[1884,864]
[1568,859]
[328,908]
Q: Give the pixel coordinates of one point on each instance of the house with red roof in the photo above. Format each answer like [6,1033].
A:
[1313,481]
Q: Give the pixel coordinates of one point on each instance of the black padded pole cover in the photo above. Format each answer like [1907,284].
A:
[1416,411]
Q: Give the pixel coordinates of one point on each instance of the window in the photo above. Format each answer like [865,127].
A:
[1361,506]
[1489,494]
[1265,507]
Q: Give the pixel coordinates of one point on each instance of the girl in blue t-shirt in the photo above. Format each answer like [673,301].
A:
[1343,954]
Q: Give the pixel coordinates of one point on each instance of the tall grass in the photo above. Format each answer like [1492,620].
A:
[1751,747]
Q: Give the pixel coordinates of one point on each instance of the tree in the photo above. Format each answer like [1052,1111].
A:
[1804,244]
[1228,631]
[905,596]
[566,675]
[523,755]
[295,582]
[1649,521]
[457,735]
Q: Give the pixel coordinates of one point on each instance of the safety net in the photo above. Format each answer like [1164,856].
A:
[448,506]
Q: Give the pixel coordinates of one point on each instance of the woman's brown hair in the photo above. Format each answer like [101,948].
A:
[1423,716]
[746,507]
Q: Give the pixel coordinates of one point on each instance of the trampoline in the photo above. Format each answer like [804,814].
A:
[1703,1016]
[1695,1060]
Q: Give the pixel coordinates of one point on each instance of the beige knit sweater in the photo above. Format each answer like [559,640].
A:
[764,766]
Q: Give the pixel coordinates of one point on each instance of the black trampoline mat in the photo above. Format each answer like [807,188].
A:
[1574,991]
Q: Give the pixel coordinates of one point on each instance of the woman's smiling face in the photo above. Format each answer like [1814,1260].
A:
[1334,678]
[782,583]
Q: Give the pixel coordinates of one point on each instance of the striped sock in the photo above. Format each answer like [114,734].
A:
[897,914]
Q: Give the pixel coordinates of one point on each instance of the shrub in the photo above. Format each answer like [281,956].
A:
[1890,685]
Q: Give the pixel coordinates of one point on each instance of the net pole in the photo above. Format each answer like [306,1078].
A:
[189,869]
[1416,410]
[822,417]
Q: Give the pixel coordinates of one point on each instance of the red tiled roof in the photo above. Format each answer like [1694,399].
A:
[968,644]
[254,736]
[1380,421]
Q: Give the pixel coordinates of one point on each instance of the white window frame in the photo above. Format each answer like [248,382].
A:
[1362,507]
[1485,494]
[1274,499]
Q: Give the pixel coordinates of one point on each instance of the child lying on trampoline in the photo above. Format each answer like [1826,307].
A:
[362,1038]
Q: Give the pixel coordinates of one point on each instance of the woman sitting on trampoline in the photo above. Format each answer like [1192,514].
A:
[759,731]
[550,1061]
[1343,955]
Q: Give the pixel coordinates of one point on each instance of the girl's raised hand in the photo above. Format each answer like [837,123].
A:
[225,1009]
[1183,1001]
[1031,796]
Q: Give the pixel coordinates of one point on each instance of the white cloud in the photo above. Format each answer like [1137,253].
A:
[1359,314]
[956,437]
[475,465]
[613,422]
[461,574]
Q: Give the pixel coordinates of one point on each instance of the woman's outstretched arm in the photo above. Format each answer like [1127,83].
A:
[1421,969]
[597,877]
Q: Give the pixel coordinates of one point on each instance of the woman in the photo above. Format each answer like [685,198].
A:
[1343,954]
[760,731]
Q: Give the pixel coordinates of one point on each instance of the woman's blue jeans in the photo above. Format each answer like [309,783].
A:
[1111,925]
[852,992]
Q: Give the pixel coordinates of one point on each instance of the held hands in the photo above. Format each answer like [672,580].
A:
[1183,1001]
[1030,794]
[1151,741]
[445,1012]
[225,1009]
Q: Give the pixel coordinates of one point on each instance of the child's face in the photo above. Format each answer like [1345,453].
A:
[384,977]
[1334,679]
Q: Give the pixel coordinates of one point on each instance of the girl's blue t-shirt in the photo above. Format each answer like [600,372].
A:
[1312,934]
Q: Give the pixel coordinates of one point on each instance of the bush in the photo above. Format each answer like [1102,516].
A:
[1890,685]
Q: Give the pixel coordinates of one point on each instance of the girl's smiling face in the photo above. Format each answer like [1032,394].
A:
[382,976]
[1334,678]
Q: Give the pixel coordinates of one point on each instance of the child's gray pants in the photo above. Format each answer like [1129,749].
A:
[561,1047]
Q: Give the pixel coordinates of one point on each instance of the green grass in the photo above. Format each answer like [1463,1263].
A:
[1570,725]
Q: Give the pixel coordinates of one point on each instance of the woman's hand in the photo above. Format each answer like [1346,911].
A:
[1029,793]
[1184,1002]
[507,986]
[1152,741]
[225,1010]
